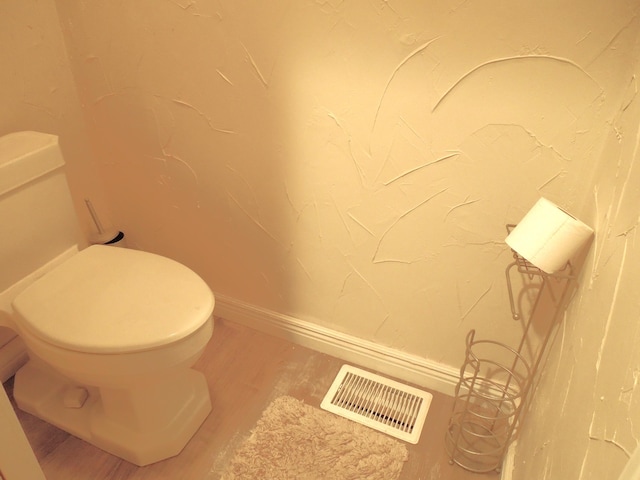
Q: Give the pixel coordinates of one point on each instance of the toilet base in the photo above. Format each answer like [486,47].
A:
[142,425]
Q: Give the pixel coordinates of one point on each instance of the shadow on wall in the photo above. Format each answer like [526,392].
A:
[345,163]
[181,114]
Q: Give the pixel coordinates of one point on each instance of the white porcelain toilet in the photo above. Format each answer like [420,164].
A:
[111,333]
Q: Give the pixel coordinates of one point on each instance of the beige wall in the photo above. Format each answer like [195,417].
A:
[38,91]
[349,163]
[585,420]
[354,164]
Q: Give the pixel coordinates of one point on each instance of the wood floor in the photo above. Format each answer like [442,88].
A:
[246,371]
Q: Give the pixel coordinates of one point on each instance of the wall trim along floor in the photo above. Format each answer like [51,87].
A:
[388,361]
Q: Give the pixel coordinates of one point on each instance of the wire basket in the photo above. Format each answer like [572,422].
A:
[496,380]
[488,399]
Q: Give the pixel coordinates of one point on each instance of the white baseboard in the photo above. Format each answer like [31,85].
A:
[404,366]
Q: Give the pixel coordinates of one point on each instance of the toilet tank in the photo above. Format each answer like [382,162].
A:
[37,215]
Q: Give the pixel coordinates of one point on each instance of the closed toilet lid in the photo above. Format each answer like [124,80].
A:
[115,300]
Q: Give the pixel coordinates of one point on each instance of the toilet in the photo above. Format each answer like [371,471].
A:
[111,333]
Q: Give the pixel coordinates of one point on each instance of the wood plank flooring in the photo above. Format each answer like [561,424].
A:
[246,370]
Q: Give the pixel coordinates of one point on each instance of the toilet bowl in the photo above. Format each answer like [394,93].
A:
[111,333]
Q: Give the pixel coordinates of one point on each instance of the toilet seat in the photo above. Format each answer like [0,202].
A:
[112,300]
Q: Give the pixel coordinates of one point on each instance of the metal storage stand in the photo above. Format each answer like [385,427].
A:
[496,380]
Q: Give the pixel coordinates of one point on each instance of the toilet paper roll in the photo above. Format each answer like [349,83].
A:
[548,236]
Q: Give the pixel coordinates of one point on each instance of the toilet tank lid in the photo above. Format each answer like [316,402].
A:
[115,300]
[25,156]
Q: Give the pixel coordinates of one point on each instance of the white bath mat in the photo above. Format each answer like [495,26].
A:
[295,441]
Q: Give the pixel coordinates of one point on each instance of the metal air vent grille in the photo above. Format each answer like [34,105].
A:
[379,403]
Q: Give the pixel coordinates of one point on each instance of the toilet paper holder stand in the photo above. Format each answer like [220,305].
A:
[497,380]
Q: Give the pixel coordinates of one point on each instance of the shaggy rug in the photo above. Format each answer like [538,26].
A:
[293,440]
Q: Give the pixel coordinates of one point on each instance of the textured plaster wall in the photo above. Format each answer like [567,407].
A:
[585,420]
[354,164]
[349,163]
